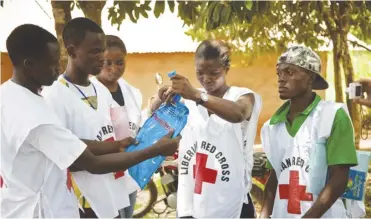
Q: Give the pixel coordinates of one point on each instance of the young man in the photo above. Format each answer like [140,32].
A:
[35,148]
[289,138]
[84,107]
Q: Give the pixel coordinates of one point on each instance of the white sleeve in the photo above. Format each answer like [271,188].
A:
[56,103]
[57,144]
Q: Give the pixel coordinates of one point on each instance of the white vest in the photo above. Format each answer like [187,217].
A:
[215,161]
[133,101]
[128,124]
[47,194]
[105,194]
[290,158]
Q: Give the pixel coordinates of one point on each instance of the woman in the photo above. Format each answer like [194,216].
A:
[215,154]
[125,95]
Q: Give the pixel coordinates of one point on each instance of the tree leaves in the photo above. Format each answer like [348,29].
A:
[131,9]
[249,4]
[171,4]
[190,11]
[159,8]
[269,23]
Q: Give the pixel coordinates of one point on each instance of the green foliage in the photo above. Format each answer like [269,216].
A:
[271,25]
[189,11]
[362,28]
[131,9]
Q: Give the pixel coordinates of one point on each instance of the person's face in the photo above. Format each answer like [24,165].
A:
[88,55]
[293,81]
[114,64]
[211,74]
[45,69]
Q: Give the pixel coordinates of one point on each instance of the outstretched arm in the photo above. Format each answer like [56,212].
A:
[234,112]
[230,111]
[108,147]
[121,161]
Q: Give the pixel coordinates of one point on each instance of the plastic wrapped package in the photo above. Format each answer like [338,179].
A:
[168,116]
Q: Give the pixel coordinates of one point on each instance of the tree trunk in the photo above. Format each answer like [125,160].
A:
[339,96]
[354,109]
[93,10]
[62,14]
[345,9]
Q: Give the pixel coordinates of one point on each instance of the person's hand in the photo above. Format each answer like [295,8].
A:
[182,86]
[166,93]
[366,87]
[126,142]
[167,146]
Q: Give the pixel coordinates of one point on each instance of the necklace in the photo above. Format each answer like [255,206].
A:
[81,92]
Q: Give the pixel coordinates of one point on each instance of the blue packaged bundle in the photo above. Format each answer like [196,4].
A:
[168,116]
[357,178]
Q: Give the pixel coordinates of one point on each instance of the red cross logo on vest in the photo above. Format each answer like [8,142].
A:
[201,173]
[294,193]
[119,173]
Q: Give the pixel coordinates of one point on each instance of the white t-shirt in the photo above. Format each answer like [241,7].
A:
[90,119]
[89,95]
[35,153]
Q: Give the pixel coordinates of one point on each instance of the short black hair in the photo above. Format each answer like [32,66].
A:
[115,41]
[28,41]
[214,49]
[75,30]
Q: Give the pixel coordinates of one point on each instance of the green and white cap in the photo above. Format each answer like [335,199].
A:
[306,58]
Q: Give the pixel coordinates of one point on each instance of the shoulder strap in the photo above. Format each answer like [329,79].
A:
[323,119]
[322,123]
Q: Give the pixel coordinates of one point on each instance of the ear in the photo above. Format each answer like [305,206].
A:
[71,50]
[28,63]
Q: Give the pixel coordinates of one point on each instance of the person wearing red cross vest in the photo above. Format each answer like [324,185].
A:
[309,144]
[216,154]
[84,106]
[36,148]
[128,99]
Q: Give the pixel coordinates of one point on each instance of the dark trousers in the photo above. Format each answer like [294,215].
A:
[248,210]
[88,213]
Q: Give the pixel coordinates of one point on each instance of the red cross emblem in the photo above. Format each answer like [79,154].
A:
[294,193]
[119,173]
[201,173]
